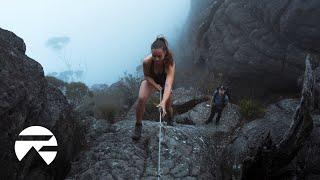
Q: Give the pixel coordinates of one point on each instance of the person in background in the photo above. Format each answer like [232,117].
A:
[219,100]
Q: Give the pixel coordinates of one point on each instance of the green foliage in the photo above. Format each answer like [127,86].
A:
[76,91]
[108,111]
[108,103]
[251,109]
[56,82]
[117,98]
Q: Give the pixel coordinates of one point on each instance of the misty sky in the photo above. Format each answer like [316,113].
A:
[104,38]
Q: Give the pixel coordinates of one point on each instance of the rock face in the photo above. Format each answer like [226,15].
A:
[258,46]
[264,148]
[113,155]
[183,100]
[272,147]
[26,100]
[190,151]
[317,88]
[252,43]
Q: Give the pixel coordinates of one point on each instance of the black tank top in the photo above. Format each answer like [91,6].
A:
[158,78]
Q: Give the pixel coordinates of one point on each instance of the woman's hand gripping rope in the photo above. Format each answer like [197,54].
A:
[162,105]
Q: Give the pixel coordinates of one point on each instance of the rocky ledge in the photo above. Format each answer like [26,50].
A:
[231,149]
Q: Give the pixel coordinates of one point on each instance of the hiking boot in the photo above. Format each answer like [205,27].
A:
[137,132]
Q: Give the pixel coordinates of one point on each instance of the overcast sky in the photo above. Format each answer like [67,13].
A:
[102,37]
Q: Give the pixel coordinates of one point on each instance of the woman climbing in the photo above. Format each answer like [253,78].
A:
[158,70]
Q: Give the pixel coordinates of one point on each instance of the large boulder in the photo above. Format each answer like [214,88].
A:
[251,135]
[257,47]
[246,143]
[264,148]
[26,100]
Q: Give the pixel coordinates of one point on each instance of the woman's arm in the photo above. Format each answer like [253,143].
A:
[169,82]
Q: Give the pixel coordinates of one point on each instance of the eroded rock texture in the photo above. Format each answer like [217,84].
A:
[263,148]
[184,153]
[258,46]
[275,146]
[27,100]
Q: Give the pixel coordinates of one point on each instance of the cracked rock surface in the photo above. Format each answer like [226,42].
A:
[26,99]
[257,45]
[195,151]
[114,155]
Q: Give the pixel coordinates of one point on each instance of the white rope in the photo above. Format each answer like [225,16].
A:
[160,137]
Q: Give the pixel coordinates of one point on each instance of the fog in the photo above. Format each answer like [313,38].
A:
[98,40]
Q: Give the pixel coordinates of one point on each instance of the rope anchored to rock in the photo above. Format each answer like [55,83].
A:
[160,138]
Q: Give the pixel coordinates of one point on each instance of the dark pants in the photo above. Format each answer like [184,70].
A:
[215,110]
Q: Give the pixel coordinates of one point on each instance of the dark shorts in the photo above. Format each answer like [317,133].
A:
[160,85]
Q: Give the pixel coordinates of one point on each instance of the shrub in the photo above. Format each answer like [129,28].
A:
[129,87]
[56,82]
[251,109]
[115,100]
[107,111]
[76,92]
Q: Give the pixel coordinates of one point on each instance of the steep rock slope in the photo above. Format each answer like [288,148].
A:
[257,47]
[26,99]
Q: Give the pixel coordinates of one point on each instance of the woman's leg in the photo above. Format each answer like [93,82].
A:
[145,91]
